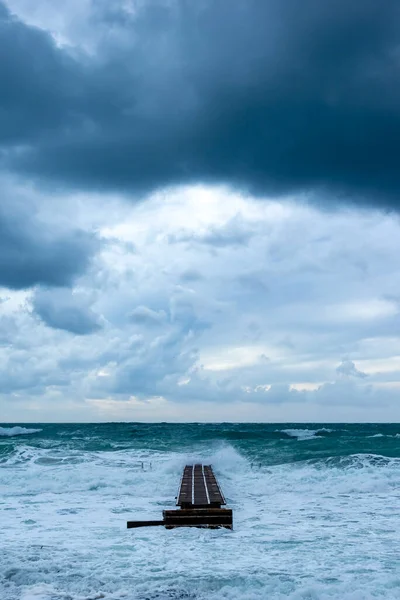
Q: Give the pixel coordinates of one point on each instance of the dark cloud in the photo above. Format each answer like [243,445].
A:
[274,96]
[33,252]
[61,309]
[40,84]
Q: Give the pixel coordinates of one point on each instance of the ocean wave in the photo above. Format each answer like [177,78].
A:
[11,431]
[380,435]
[309,513]
[306,434]
[358,461]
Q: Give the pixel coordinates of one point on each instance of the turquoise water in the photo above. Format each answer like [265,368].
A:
[315,511]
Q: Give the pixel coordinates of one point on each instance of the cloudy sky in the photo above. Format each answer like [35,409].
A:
[199,215]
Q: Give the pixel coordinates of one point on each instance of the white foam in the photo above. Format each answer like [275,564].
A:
[11,431]
[301,531]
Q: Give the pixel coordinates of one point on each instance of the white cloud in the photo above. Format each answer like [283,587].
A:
[228,358]
[374,308]
[264,323]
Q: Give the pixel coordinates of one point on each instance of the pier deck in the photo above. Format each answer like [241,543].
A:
[199,488]
[200,499]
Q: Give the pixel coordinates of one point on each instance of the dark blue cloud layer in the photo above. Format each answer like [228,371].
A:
[274,96]
[32,252]
[61,309]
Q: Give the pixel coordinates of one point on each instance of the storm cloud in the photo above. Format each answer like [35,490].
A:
[34,252]
[141,275]
[273,97]
[61,309]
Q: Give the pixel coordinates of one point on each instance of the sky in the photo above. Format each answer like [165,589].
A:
[199,216]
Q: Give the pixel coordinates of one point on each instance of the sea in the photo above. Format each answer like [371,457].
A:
[316,512]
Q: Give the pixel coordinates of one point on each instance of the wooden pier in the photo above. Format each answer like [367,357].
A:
[199,499]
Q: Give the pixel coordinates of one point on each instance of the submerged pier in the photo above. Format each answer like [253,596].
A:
[200,502]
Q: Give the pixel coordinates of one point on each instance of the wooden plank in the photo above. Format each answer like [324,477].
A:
[206,518]
[214,491]
[220,517]
[185,495]
[198,518]
[134,524]
[197,522]
[187,512]
[200,493]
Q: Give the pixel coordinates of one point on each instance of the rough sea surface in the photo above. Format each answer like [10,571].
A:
[316,512]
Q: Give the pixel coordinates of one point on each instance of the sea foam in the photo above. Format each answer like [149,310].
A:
[315,529]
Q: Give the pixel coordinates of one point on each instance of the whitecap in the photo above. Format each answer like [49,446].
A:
[379,435]
[11,431]
[304,434]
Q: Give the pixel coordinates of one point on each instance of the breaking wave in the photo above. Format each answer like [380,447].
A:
[306,434]
[11,431]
